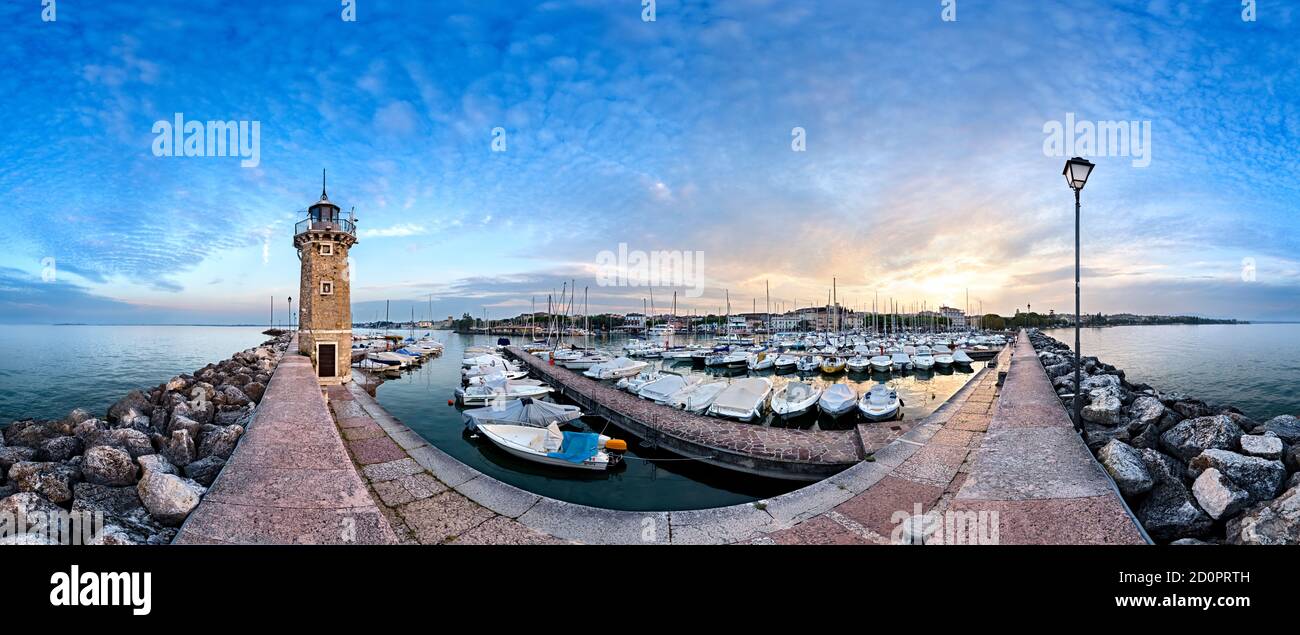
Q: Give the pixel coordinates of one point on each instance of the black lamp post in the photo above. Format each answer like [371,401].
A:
[290,313]
[1076,175]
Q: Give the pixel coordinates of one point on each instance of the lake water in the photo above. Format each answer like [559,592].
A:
[46,370]
[651,480]
[1255,367]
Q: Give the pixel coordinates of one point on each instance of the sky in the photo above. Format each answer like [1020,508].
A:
[495,151]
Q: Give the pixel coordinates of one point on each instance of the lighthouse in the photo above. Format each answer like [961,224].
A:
[323,240]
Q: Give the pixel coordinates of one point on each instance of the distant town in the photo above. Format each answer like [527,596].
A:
[810,319]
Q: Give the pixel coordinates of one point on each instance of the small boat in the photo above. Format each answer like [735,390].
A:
[881,363]
[838,400]
[697,398]
[959,356]
[785,363]
[833,364]
[499,388]
[587,361]
[377,367]
[522,412]
[550,446]
[699,357]
[616,368]
[794,398]
[900,361]
[923,360]
[809,363]
[858,364]
[743,399]
[664,387]
[880,403]
[728,360]
[761,361]
[943,359]
[633,384]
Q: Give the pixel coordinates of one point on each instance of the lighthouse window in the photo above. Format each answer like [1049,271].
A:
[327,249]
[326,287]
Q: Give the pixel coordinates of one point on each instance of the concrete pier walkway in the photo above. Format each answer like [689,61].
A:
[290,480]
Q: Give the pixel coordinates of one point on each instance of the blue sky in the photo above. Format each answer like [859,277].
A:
[924,173]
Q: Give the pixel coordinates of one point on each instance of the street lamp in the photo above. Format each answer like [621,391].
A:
[1076,175]
[290,313]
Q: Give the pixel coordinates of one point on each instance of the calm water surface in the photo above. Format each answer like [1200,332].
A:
[46,370]
[651,480]
[1255,367]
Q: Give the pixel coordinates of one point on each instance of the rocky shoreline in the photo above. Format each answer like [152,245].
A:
[1193,473]
[147,463]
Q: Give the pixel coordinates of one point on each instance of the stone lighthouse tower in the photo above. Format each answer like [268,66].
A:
[325,310]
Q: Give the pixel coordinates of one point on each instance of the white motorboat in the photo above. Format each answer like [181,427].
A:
[677,354]
[377,367]
[785,362]
[881,363]
[697,398]
[959,356]
[484,360]
[665,386]
[943,359]
[838,400]
[616,368]
[809,363]
[922,360]
[392,358]
[550,446]
[900,361]
[633,384]
[499,389]
[794,399]
[880,403]
[858,364]
[511,372]
[736,359]
[743,399]
[587,361]
[521,412]
[761,361]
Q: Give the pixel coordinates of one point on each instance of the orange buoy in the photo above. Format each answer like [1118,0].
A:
[451,402]
[616,445]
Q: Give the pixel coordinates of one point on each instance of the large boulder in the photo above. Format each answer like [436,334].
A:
[220,442]
[232,398]
[205,470]
[126,521]
[54,481]
[129,440]
[1264,446]
[1105,406]
[1273,523]
[107,465]
[60,449]
[255,390]
[1191,408]
[1100,381]
[1169,512]
[133,404]
[179,449]
[169,498]
[1125,466]
[1218,495]
[89,430]
[33,434]
[9,455]
[156,463]
[112,501]
[1144,412]
[1191,437]
[1286,427]
[1261,478]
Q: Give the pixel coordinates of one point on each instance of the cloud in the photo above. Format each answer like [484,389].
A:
[396,231]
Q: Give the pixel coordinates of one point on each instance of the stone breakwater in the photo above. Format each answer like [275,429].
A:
[146,464]
[1193,472]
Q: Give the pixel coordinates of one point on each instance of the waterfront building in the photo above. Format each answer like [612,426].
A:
[956,317]
[323,240]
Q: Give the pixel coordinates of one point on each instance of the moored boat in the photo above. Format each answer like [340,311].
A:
[794,399]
